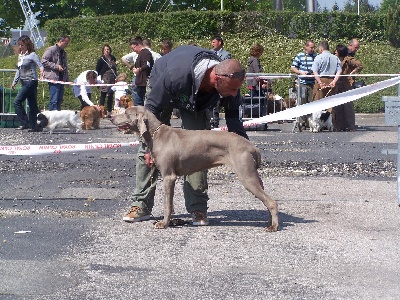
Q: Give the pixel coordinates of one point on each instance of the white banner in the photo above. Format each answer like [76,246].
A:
[322,104]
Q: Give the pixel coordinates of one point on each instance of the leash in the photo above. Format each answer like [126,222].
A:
[42,84]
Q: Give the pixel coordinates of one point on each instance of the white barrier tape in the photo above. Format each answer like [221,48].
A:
[322,104]
[58,149]
[75,83]
[277,76]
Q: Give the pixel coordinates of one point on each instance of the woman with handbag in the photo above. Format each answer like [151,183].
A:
[107,69]
[343,116]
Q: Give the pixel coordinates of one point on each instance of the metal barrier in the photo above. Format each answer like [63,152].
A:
[268,101]
[392,118]
[8,118]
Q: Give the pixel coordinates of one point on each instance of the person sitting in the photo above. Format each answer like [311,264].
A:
[120,89]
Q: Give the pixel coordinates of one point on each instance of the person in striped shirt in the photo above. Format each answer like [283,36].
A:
[301,65]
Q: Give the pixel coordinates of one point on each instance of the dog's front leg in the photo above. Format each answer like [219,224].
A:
[169,186]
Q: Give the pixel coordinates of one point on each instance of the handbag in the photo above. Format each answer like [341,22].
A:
[358,84]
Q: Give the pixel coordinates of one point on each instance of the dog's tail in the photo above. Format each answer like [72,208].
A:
[324,116]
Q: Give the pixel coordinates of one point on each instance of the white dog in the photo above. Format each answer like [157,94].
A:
[64,118]
[320,120]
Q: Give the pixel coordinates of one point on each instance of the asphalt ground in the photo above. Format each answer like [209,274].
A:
[62,234]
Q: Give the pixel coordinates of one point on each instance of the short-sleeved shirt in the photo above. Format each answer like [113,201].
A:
[303,62]
[326,64]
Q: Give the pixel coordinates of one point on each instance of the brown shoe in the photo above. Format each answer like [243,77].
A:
[136,214]
[199,218]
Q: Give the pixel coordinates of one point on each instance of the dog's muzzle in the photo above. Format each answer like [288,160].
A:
[123,127]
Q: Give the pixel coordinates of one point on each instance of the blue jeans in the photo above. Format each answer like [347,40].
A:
[28,92]
[138,93]
[56,95]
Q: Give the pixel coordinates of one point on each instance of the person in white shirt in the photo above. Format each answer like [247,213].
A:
[130,58]
[82,90]
[120,89]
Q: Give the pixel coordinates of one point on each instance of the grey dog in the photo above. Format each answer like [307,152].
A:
[177,152]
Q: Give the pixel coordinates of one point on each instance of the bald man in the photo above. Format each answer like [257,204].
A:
[353,46]
[193,80]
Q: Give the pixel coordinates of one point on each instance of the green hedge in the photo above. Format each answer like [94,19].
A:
[282,35]
[199,25]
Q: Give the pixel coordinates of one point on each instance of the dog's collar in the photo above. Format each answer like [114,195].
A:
[155,131]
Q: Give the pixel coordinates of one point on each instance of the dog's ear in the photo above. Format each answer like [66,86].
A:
[143,123]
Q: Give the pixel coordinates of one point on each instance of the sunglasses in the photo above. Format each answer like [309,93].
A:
[237,75]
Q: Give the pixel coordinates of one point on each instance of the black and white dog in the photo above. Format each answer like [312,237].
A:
[64,118]
[320,120]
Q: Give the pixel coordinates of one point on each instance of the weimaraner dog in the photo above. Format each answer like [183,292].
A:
[177,152]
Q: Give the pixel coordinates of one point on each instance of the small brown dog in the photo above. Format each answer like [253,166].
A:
[91,115]
[125,102]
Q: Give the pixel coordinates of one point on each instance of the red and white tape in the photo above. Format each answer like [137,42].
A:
[59,149]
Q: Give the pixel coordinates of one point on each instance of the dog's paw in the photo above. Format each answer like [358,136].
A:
[272,228]
[161,225]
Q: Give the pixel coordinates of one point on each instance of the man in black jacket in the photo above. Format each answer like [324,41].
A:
[193,80]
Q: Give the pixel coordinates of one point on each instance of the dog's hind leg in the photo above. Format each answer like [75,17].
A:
[96,124]
[253,185]
[169,186]
[248,175]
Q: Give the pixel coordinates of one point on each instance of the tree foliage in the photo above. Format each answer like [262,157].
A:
[392,25]
[64,9]
[351,6]
[387,3]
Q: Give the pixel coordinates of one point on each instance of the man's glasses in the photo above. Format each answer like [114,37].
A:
[237,75]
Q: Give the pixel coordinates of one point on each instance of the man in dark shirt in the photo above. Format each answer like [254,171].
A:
[143,65]
[194,80]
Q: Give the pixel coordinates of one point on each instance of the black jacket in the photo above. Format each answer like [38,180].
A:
[172,84]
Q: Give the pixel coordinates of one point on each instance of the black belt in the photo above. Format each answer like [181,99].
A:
[325,77]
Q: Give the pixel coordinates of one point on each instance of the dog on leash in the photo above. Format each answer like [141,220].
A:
[52,119]
[177,152]
[91,115]
[320,120]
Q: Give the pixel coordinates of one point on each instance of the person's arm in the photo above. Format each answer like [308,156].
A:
[37,61]
[232,118]
[47,60]
[99,65]
[161,93]
[142,64]
[129,60]
[356,65]
[295,68]
[337,75]
[314,69]
[16,79]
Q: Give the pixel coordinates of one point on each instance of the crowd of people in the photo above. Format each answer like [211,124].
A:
[319,77]
[190,80]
